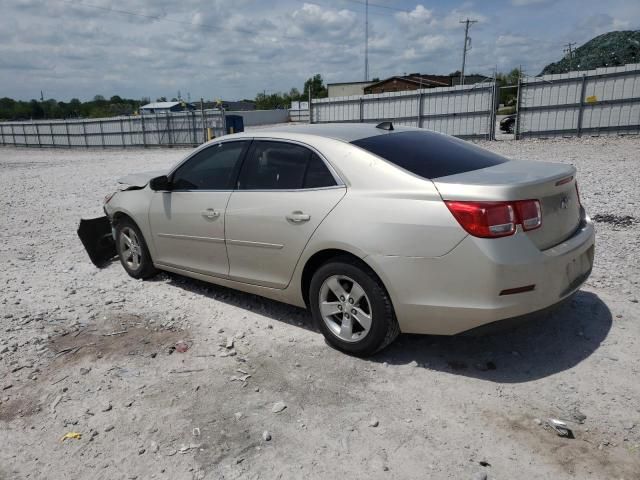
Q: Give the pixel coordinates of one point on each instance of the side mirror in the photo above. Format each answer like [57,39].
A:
[160,183]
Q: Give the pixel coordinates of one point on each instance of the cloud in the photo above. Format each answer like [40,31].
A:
[526,3]
[509,40]
[419,15]
[233,49]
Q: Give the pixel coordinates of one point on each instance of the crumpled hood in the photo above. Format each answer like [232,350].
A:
[140,179]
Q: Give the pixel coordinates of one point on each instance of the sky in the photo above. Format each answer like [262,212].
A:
[233,49]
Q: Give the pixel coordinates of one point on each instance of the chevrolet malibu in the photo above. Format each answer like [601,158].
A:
[376,229]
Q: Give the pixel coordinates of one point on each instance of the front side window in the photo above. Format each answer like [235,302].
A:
[283,166]
[210,169]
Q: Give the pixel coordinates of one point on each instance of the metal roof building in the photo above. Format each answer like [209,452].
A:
[165,107]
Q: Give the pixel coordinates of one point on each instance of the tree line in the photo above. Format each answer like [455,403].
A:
[11,109]
[99,107]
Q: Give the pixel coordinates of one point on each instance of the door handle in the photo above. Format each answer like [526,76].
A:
[210,213]
[298,217]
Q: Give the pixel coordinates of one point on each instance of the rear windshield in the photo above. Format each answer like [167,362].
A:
[429,154]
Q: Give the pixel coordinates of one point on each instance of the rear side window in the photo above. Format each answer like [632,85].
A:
[429,154]
[283,166]
[318,175]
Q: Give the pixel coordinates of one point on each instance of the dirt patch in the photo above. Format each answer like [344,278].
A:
[624,221]
[72,348]
[579,456]
[91,345]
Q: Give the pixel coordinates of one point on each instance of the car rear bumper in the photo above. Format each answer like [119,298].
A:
[472,285]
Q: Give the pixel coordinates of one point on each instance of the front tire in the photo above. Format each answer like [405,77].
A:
[132,250]
[351,307]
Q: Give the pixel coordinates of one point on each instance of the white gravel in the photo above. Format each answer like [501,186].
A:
[91,351]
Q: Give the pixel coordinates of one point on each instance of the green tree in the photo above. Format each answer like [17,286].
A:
[316,84]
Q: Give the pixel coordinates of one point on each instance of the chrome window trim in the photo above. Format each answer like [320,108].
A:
[339,182]
[333,187]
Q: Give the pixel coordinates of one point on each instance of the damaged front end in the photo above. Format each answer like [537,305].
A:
[97,237]
[97,234]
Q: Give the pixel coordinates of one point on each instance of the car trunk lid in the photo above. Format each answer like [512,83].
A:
[553,184]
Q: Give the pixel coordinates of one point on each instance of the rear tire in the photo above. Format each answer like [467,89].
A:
[132,250]
[351,307]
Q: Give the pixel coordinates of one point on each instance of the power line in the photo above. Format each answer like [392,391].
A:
[466,47]
[377,5]
[318,3]
[136,14]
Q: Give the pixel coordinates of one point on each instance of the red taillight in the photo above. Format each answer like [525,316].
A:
[496,219]
[484,219]
[529,214]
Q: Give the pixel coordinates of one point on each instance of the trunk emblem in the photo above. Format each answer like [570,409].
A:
[564,203]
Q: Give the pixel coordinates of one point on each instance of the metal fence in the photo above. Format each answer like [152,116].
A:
[463,111]
[601,101]
[183,128]
[297,115]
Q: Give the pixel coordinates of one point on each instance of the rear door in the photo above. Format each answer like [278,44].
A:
[187,222]
[283,193]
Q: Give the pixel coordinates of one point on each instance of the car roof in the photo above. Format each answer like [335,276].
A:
[346,132]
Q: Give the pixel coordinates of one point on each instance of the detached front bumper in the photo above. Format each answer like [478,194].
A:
[97,238]
[462,290]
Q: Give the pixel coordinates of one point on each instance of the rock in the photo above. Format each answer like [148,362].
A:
[141,451]
[108,428]
[578,416]
[278,407]
[154,447]
[266,436]
[107,407]
[374,422]
[55,403]
[479,476]
[238,415]
[229,344]
[537,421]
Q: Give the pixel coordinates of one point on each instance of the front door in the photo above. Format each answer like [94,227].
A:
[283,193]
[188,221]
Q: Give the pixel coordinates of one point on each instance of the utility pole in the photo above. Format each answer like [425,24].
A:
[570,52]
[467,45]
[366,40]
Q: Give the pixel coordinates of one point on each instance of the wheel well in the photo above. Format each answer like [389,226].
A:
[317,260]
[118,216]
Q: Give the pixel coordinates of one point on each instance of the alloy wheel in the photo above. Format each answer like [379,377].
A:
[130,248]
[345,308]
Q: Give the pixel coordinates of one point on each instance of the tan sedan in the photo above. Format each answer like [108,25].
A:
[377,230]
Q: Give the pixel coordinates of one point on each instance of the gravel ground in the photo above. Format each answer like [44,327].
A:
[97,353]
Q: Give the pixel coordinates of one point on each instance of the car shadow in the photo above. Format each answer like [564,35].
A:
[541,347]
[272,309]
